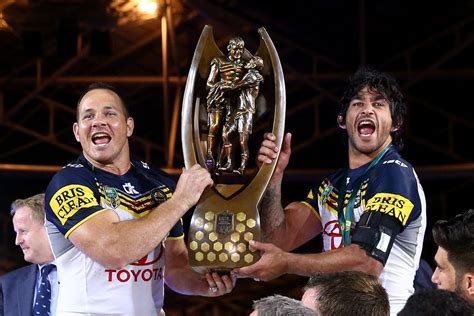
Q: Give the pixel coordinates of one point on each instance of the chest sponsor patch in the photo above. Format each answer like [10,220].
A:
[70,199]
[391,204]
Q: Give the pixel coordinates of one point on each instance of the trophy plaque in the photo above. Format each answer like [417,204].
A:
[223,94]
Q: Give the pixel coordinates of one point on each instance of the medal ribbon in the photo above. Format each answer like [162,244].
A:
[345,218]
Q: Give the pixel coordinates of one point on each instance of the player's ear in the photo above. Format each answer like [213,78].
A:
[130,126]
[469,284]
[340,121]
[395,128]
[75,129]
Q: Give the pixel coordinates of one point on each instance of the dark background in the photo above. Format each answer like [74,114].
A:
[50,50]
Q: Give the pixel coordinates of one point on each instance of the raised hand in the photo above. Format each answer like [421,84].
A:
[190,186]
[268,152]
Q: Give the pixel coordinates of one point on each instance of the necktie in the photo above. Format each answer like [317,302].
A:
[43,296]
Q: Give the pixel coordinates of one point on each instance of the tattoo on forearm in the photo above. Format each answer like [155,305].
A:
[271,210]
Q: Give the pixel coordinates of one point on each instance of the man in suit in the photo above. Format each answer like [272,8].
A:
[18,288]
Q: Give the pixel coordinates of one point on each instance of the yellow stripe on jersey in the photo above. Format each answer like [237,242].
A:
[132,206]
[132,212]
[176,238]
[73,228]
[312,209]
[131,200]
[124,196]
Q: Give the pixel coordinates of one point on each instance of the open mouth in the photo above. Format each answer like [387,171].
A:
[366,127]
[101,138]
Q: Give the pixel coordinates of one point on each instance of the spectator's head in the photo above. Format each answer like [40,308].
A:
[28,223]
[455,255]
[346,293]
[383,88]
[278,305]
[434,302]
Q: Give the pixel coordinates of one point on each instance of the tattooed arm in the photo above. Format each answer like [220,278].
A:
[295,224]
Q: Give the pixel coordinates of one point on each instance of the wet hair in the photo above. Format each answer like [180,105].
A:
[433,302]
[384,84]
[456,236]
[102,86]
[349,293]
[278,305]
[35,203]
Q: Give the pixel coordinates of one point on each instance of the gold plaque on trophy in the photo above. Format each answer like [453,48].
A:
[224,93]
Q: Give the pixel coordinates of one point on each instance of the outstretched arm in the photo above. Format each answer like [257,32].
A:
[107,240]
[276,262]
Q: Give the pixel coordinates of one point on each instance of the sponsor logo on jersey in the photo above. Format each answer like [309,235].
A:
[149,259]
[143,270]
[333,231]
[129,188]
[111,197]
[395,161]
[139,275]
[391,204]
[75,165]
[70,199]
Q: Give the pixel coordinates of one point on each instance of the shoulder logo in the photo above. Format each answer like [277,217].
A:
[145,165]
[70,199]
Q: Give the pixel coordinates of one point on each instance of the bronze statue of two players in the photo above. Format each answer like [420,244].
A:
[226,91]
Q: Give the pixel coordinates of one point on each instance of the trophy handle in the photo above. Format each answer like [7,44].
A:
[272,63]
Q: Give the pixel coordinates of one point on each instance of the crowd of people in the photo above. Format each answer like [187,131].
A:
[107,235]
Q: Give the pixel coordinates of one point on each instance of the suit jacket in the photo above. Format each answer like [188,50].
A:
[17,291]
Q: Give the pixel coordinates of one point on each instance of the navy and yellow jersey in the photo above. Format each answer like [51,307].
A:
[80,191]
[391,188]
[391,193]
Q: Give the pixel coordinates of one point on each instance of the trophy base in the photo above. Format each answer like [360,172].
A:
[210,269]
[220,231]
